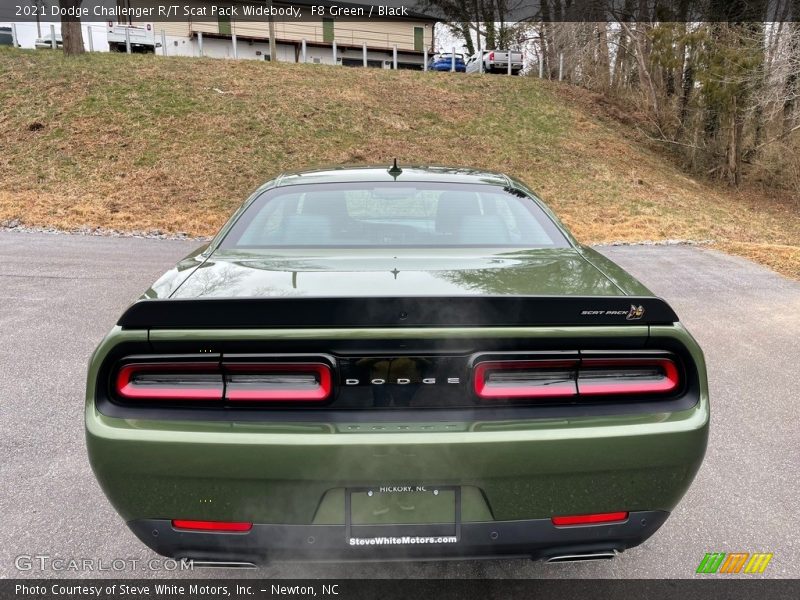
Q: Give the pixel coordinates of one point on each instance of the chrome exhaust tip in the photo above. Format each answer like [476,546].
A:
[222,564]
[562,558]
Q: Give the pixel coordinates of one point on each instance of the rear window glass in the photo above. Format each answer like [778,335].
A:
[393,214]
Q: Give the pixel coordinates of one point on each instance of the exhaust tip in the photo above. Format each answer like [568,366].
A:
[222,564]
[562,558]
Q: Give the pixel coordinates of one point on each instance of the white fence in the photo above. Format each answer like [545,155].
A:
[221,47]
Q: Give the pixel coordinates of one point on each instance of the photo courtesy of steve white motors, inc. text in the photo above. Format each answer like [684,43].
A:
[171,589]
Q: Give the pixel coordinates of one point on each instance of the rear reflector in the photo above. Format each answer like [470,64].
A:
[593,519]
[526,379]
[223,526]
[163,381]
[277,382]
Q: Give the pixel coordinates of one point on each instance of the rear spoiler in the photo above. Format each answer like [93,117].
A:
[412,311]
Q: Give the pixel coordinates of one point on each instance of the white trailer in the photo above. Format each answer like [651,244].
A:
[132,38]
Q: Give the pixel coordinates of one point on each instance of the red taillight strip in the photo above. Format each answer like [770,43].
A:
[556,390]
[127,388]
[585,385]
[669,383]
[221,526]
[130,391]
[592,519]
[317,394]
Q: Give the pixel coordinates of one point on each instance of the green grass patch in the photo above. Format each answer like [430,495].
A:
[144,142]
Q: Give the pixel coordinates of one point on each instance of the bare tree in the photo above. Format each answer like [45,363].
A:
[481,23]
[724,91]
[71,32]
[38,5]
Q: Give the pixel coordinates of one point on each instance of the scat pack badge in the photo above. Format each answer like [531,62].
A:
[635,313]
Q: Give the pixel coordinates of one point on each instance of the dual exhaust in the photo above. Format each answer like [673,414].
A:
[223,564]
[583,557]
[560,558]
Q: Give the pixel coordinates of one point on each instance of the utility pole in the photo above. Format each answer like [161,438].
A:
[273,47]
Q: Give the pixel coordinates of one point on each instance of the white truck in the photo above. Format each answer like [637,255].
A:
[142,39]
[495,61]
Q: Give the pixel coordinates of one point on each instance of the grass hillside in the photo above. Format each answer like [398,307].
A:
[143,143]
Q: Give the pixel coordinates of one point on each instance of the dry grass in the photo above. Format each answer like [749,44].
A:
[140,142]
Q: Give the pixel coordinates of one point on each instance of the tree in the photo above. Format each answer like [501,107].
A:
[38,5]
[487,20]
[792,83]
[71,32]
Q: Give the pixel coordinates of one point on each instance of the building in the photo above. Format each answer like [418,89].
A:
[314,38]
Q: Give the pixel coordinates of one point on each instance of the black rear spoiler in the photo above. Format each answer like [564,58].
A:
[413,311]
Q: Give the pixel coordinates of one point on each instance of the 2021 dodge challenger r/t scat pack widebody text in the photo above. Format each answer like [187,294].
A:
[368,363]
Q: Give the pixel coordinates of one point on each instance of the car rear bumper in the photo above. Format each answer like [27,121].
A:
[290,479]
[530,538]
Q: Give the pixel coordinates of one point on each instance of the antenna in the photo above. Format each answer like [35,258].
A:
[394,170]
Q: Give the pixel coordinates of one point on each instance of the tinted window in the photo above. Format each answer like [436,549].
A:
[375,215]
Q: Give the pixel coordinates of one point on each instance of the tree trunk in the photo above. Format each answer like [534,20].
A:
[686,94]
[604,63]
[487,16]
[791,87]
[733,154]
[549,47]
[619,80]
[71,32]
[622,59]
[466,33]
[642,58]
[543,50]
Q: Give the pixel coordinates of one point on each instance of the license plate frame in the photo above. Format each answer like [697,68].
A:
[442,529]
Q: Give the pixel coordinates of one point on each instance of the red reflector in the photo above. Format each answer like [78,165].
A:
[616,376]
[525,379]
[613,517]
[230,526]
[277,382]
[167,381]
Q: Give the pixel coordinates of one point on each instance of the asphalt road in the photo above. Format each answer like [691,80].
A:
[59,294]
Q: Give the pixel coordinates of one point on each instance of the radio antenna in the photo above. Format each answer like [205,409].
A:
[394,170]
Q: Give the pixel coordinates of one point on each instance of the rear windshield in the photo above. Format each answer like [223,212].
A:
[395,214]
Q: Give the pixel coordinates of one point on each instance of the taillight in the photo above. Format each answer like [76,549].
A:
[616,376]
[216,526]
[591,519]
[277,382]
[526,379]
[233,382]
[491,55]
[166,381]
[576,378]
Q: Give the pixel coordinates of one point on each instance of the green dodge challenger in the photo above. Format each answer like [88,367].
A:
[412,363]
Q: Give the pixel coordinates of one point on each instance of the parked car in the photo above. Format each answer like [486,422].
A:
[495,61]
[7,37]
[406,363]
[444,62]
[46,42]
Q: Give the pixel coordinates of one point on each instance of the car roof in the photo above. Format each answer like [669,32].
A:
[439,174]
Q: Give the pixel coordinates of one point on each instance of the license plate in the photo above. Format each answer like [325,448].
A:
[403,514]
